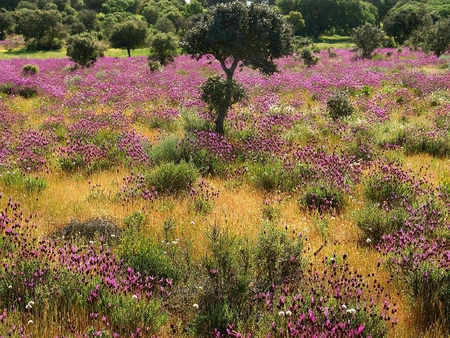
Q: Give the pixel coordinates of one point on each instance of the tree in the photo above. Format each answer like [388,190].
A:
[6,24]
[296,21]
[404,19]
[42,30]
[84,49]
[433,37]
[367,38]
[163,47]
[129,35]
[237,34]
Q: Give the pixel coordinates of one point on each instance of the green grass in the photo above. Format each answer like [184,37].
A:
[27,54]
[334,41]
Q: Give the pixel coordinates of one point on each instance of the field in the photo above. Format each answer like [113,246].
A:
[322,212]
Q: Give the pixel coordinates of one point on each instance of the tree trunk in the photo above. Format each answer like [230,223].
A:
[225,105]
[129,52]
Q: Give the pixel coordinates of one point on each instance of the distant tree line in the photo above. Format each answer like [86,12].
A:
[130,24]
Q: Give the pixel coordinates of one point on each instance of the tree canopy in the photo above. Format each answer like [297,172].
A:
[236,34]
[129,35]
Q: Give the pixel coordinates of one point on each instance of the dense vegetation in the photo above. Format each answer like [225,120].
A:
[132,208]
[323,210]
[46,24]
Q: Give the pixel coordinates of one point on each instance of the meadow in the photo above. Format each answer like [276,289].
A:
[322,212]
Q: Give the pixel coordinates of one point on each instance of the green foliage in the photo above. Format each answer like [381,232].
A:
[154,65]
[42,29]
[433,37]
[84,49]
[163,48]
[367,38]
[225,289]
[387,189]
[323,198]
[214,90]
[277,256]
[430,292]
[403,19]
[142,253]
[339,106]
[376,222]
[342,16]
[168,149]
[29,70]
[239,34]
[6,24]
[23,91]
[419,140]
[172,178]
[130,312]
[129,35]
[30,184]
[308,57]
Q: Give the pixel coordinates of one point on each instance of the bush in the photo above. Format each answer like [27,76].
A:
[126,311]
[376,222]
[163,48]
[339,106]
[143,254]
[277,256]
[168,149]
[172,178]
[84,49]
[323,198]
[430,293]
[225,294]
[387,188]
[29,70]
[367,38]
[308,57]
[154,65]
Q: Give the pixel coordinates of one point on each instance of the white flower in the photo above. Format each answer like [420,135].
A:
[281,314]
[332,260]
[288,313]
[91,242]
[344,306]
[9,286]
[30,322]
[368,240]
[29,305]
[192,222]
[195,306]
[352,311]
[134,296]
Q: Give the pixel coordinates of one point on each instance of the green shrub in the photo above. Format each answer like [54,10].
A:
[387,189]
[323,198]
[224,298]
[30,184]
[430,293]
[169,149]
[154,65]
[28,70]
[35,184]
[142,253]
[339,106]
[277,256]
[308,57]
[124,310]
[375,222]
[172,178]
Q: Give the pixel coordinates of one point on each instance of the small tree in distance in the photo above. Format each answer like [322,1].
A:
[84,49]
[433,37]
[163,48]
[129,35]
[367,38]
[239,34]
